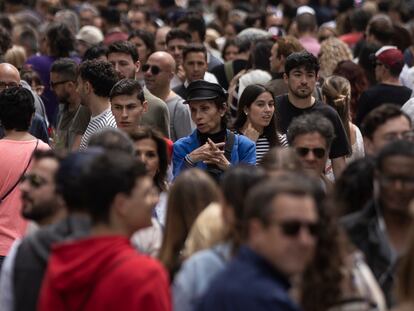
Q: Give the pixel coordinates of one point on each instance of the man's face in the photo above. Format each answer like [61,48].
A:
[123,65]
[158,74]
[313,152]
[127,110]
[9,77]
[138,206]
[396,183]
[137,20]
[38,190]
[160,36]
[58,85]
[301,82]
[175,47]
[289,240]
[86,18]
[393,129]
[274,60]
[195,66]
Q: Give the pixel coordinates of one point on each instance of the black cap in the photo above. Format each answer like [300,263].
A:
[203,90]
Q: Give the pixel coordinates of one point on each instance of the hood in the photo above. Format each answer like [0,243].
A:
[75,267]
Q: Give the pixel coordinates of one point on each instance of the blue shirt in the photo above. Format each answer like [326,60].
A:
[249,282]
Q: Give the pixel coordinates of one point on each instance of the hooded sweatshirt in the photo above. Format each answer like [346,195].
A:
[103,273]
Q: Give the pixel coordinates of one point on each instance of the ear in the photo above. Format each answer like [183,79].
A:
[145,106]
[368,146]
[137,66]
[285,77]
[118,204]
[255,228]
[88,87]
[246,110]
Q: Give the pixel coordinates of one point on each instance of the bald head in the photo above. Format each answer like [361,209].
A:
[164,60]
[9,73]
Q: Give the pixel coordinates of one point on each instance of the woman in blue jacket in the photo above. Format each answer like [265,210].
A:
[211,146]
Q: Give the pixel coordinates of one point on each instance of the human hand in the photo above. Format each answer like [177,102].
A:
[181,73]
[250,132]
[206,152]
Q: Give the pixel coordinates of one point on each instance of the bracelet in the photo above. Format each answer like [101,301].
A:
[189,160]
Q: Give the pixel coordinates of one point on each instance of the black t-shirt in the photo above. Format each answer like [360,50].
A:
[286,112]
[378,95]
[220,72]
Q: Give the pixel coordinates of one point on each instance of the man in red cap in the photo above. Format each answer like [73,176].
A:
[389,62]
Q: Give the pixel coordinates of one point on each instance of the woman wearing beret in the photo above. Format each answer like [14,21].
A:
[211,146]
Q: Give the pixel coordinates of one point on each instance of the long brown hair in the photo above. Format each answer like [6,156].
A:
[192,191]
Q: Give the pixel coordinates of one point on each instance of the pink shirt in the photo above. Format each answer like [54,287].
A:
[14,156]
[311,45]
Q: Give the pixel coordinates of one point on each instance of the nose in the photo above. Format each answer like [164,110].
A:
[24,186]
[124,113]
[305,238]
[142,158]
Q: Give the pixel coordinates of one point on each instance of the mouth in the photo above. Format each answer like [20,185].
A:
[125,124]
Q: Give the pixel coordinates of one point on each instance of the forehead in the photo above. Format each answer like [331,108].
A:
[199,56]
[398,165]
[116,56]
[179,42]
[313,140]
[126,100]
[199,103]
[9,75]
[398,124]
[302,69]
[45,167]
[299,207]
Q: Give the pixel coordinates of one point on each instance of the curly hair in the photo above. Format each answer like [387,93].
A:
[100,74]
[331,53]
[60,39]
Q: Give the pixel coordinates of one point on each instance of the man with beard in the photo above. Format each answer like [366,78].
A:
[73,118]
[301,74]
[124,57]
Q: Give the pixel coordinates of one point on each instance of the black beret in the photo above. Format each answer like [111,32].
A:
[203,90]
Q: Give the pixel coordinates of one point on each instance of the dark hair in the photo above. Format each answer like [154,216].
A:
[260,54]
[146,37]
[194,48]
[30,76]
[301,59]
[248,96]
[227,44]
[65,67]
[106,176]
[16,108]
[396,148]
[47,154]
[144,132]
[365,61]
[311,123]
[195,22]
[359,19]
[306,22]
[124,47]
[380,26]
[5,40]
[378,116]
[111,139]
[111,15]
[60,39]
[100,74]
[235,185]
[95,52]
[28,38]
[354,187]
[127,87]
[177,33]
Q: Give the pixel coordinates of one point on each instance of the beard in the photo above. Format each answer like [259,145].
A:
[302,93]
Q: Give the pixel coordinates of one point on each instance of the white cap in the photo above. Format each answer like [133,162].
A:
[305,9]
[90,34]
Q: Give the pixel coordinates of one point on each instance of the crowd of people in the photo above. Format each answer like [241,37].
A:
[206,155]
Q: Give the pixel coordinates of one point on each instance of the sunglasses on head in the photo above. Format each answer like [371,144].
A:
[35,180]
[154,69]
[318,152]
[293,227]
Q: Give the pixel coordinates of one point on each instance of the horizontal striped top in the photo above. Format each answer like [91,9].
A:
[97,123]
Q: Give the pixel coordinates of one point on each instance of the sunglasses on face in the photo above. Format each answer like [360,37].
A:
[35,180]
[318,152]
[154,69]
[292,228]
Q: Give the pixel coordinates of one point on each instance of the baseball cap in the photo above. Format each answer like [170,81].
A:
[90,34]
[305,9]
[203,90]
[390,56]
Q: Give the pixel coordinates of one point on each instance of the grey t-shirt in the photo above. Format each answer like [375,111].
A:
[180,118]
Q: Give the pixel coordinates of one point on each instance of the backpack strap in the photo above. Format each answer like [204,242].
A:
[229,71]
[231,137]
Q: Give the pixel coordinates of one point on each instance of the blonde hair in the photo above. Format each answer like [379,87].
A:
[16,56]
[332,51]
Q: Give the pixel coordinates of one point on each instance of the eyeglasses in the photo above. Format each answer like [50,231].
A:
[318,152]
[5,85]
[408,135]
[292,228]
[154,69]
[55,84]
[35,180]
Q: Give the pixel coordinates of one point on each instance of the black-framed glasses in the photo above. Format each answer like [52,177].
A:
[5,85]
[35,181]
[292,228]
[318,152]
[55,84]
[154,69]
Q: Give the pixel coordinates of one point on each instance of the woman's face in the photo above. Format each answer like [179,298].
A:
[231,53]
[147,152]
[261,110]
[141,49]
[206,116]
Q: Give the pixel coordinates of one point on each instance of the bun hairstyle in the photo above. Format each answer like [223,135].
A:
[336,91]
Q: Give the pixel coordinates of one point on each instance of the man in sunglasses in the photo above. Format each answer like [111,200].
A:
[311,135]
[282,222]
[382,228]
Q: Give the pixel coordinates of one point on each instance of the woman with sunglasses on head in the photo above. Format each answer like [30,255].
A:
[211,146]
[256,119]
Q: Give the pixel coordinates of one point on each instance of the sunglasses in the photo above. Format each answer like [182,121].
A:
[292,228]
[318,152]
[154,69]
[35,180]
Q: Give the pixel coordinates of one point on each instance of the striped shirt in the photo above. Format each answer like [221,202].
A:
[97,123]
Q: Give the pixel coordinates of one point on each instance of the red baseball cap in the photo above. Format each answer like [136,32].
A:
[390,56]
